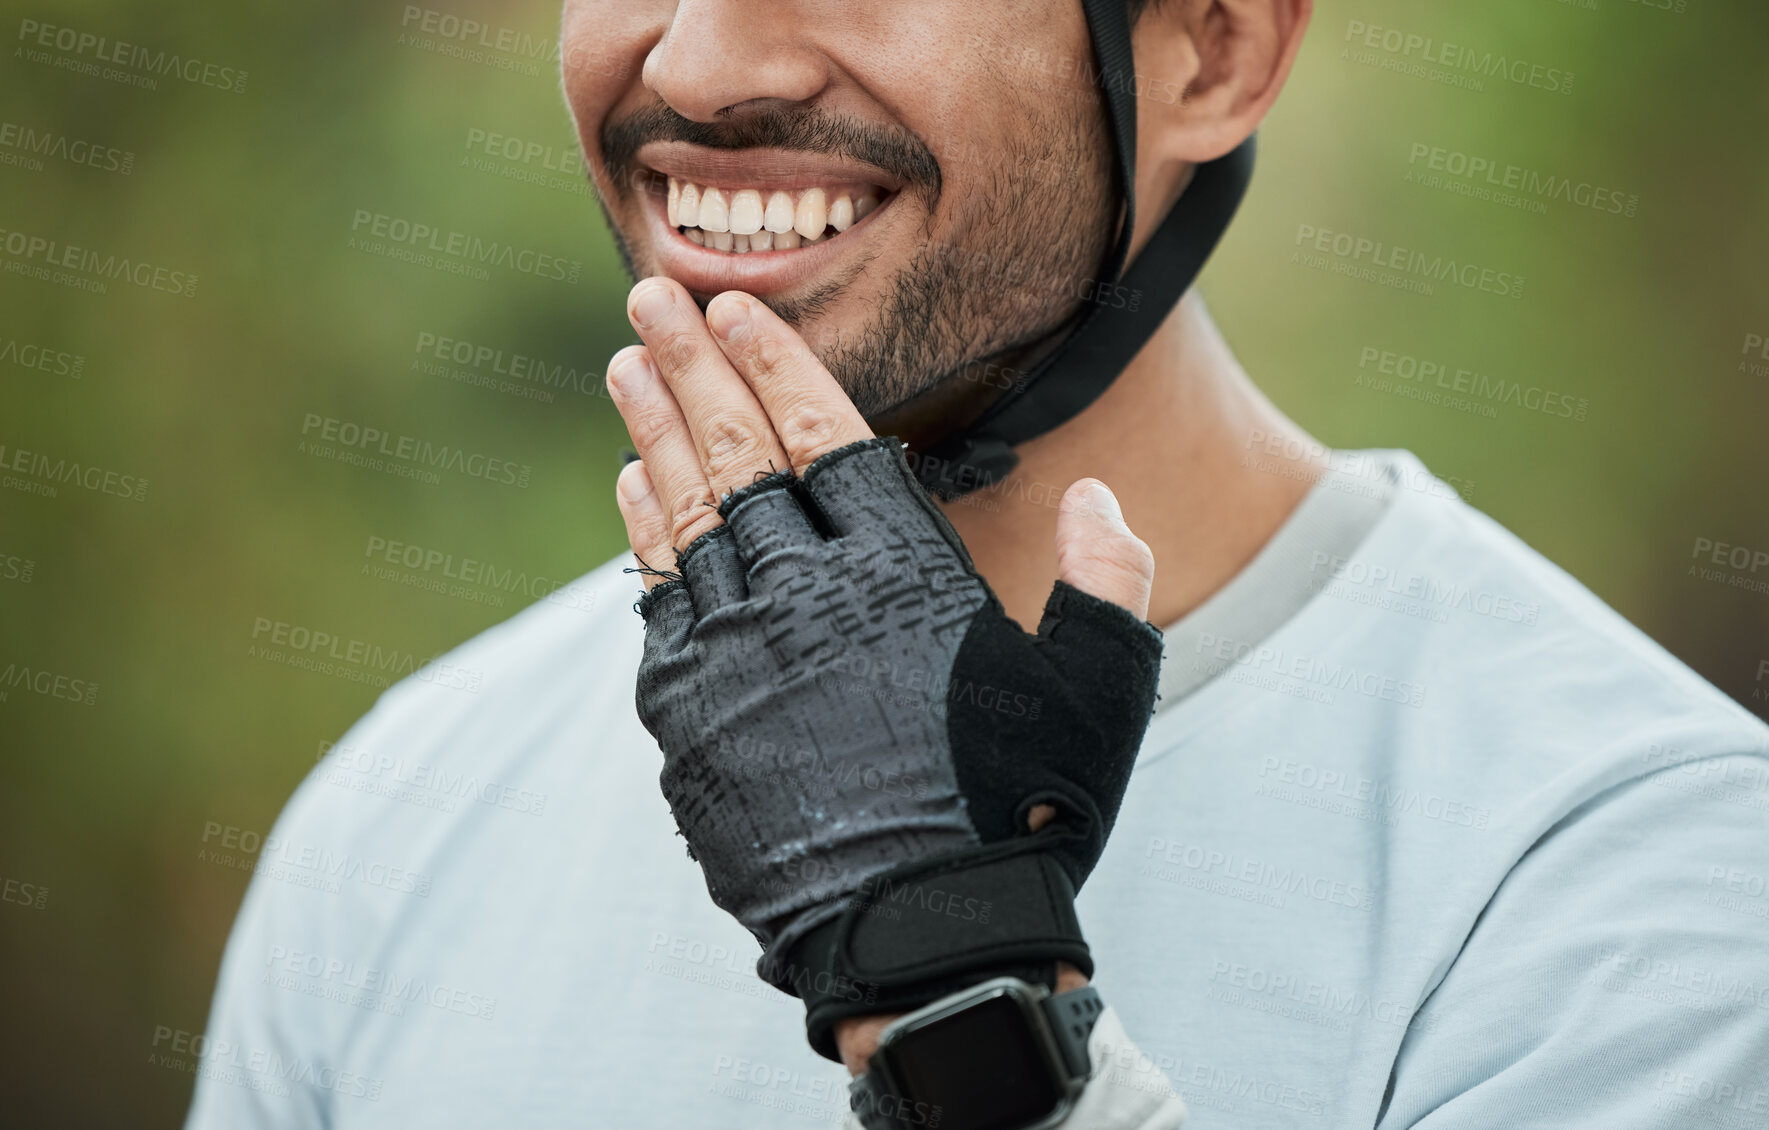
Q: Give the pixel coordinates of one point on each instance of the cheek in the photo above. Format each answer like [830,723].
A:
[602,49]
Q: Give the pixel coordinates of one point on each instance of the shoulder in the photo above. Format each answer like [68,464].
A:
[495,703]
[1503,640]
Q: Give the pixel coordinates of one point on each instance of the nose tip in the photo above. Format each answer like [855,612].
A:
[713,60]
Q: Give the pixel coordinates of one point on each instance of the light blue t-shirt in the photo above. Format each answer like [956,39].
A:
[1423,835]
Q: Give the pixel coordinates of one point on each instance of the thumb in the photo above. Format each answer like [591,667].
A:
[1097,553]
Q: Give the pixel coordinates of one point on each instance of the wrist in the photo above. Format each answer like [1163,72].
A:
[856,1037]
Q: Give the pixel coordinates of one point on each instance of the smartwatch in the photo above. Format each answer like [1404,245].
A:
[1000,1055]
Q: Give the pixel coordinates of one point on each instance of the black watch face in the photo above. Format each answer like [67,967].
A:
[979,1069]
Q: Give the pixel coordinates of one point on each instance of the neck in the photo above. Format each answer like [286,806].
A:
[1181,438]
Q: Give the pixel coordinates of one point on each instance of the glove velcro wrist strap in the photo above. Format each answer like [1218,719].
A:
[919,932]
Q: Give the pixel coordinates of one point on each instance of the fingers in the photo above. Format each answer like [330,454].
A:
[1097,553]
[731,435]
[655,422]
[648,528]
[809,411]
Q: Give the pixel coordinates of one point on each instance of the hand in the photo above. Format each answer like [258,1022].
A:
[837,693]
[722,409]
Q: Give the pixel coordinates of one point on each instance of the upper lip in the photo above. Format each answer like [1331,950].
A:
[758,168]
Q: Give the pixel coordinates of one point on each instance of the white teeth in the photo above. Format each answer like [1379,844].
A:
[812,214]
[714,214]
[779,217]
[743,220]
[746,212]
[841,213]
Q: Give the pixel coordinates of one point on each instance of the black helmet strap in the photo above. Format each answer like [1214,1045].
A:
[1125,307]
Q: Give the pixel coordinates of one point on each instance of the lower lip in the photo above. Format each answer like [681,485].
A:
[706,271]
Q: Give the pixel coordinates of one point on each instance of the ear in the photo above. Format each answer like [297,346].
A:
[1208,71]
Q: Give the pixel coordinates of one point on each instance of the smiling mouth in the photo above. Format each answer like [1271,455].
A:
[742,220]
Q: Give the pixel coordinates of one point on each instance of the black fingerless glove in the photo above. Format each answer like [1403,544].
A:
[854,734]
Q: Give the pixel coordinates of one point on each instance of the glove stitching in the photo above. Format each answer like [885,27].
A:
[695,546]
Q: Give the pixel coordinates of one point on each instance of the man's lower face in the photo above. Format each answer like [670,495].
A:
[897,283]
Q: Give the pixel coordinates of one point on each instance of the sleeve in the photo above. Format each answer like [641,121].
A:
[1618,978]
[264,1059]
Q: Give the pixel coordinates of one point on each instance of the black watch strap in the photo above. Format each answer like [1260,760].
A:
[1071,1017]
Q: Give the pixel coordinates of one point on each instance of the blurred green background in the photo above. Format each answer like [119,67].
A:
[164,724]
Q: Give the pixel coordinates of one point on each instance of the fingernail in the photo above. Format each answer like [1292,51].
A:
[1103,502]
[630,370]
[652,305]
[634,483]
[729,318]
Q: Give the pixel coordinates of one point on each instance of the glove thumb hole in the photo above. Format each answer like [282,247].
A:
[1097,553]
